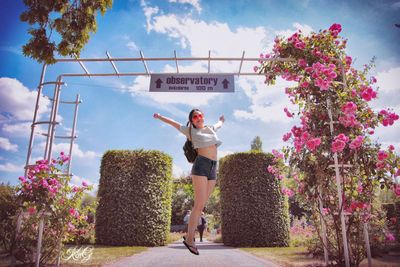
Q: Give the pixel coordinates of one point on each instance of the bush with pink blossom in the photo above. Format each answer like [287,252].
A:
[336,120]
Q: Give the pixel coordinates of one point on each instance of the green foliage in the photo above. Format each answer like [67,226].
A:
[182,199]
[8,209]
[72,20]
[256,144]
[253,210]
[134,198]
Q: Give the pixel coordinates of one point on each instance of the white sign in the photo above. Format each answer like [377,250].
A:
[192,83]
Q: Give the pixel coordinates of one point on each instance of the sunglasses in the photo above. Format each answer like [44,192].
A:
[197,117]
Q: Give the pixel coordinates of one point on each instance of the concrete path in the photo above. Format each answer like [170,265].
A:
[176,254]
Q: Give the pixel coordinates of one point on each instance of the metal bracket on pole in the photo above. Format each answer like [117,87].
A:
[144,63]
[83,66]
[112,63]
[176,62]
[241,63]
[209,59]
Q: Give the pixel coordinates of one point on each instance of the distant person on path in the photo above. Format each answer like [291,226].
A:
[201,226]
[204,170]
[186,220]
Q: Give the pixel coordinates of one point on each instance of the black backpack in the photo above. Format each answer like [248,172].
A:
[188,148]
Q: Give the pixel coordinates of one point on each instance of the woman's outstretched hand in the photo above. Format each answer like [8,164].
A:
[222,118]
[156,115]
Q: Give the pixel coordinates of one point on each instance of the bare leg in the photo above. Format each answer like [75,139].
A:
[200,198]
[210,187]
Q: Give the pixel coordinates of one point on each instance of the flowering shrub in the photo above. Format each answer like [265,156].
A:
[335,120]
[46,189]
[301,232]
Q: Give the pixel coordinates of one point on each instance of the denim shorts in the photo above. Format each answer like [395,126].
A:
[203,166]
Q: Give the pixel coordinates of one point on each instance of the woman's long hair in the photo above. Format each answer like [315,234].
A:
[191,116]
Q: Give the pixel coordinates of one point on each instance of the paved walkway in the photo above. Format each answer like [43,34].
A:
[176,254]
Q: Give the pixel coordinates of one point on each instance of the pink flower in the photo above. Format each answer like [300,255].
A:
[367,93]
[287,191]
[255,69]
[271,169]
[313,143]
[304,84]
[397,190]
[339,143]
[71,227]
[335,29]
[380,165]
[382,155]
[325,211]
[357,142]
[288,113]
[84,184]
[389,237]
[73,212]
[338,146]
[302,63]
[349,108]
[391,147]
[286,136]
[277,154]
[32,210]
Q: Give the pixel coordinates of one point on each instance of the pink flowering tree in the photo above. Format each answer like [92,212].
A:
[47,190]
[335,119]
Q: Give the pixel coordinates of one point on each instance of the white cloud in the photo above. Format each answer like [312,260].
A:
[396,5]
[19,101]
[132,46]
[389,80]
[267,102]
[223,153]
[7,145]
[177,171]
[76,151]
[194,3]
[304,28]
[10,167]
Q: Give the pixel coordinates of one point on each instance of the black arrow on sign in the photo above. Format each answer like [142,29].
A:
[158,83]
[225,83]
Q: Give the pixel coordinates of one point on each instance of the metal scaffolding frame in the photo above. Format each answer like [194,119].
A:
[52,123]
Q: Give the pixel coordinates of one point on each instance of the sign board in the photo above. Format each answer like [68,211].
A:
[192,83]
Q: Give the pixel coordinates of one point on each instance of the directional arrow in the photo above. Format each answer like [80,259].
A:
[225,83]
[158,83]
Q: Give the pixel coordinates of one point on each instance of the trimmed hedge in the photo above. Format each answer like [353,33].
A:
[134,198]
[254,212]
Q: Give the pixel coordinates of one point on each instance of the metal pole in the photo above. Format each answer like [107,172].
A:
[31,138]
[53,124]
[367,245]
[323,226]
[49,129]
[339,189]
[40,237]
[19,222]
[78,101]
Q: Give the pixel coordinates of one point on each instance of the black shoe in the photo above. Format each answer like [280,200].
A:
[194,239]
[192,249]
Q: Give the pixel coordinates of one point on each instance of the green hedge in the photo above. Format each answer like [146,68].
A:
[254,212]
[134,198]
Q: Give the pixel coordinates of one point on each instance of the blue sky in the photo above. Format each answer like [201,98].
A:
[116,113]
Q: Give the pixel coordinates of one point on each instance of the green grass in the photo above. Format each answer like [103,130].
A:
[298,257]
[287,257]
[102,255]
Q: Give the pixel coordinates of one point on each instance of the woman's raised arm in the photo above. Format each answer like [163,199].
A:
[169,121]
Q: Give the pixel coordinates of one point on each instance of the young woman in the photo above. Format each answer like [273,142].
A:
[204,170]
